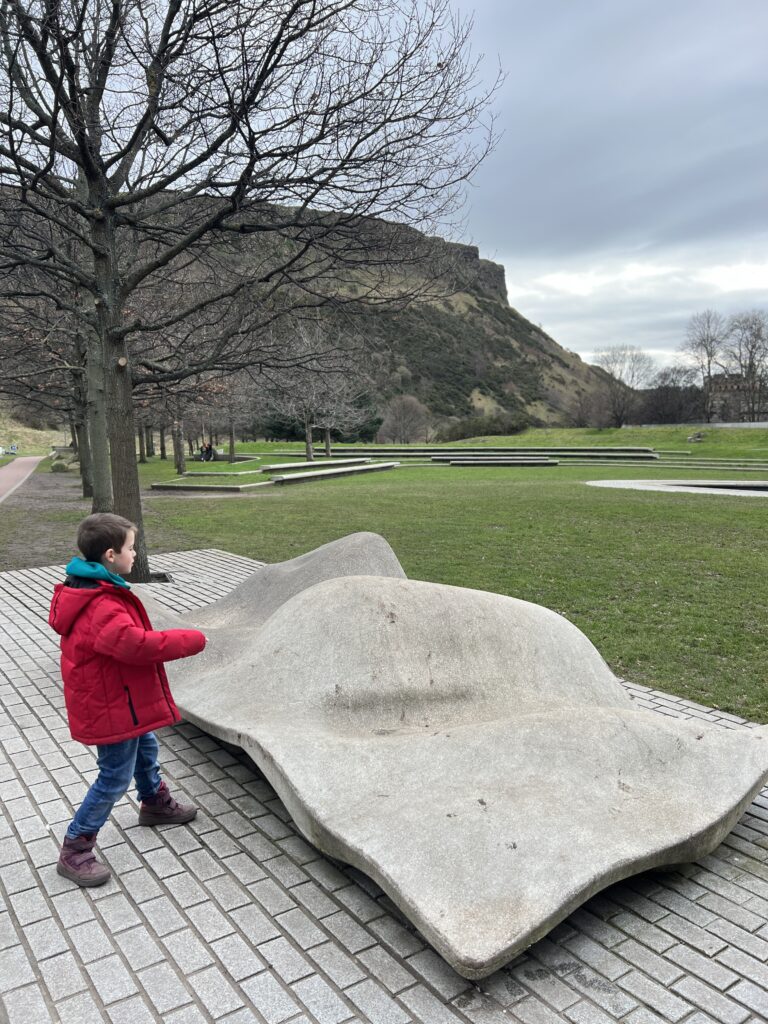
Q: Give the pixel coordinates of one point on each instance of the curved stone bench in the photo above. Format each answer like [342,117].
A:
[471,752]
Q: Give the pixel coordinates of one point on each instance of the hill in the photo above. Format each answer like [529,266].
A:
[29,440]
[472,353]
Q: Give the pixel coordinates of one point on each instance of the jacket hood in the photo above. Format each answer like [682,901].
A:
[94,571]
[70,602]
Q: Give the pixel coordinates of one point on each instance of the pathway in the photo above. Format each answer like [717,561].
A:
[235,919]
[13,474]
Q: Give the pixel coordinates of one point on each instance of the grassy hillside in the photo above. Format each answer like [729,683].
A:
[29,440]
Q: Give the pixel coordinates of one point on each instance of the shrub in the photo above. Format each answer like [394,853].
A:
[59,466]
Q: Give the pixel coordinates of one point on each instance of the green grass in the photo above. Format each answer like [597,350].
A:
[671,588]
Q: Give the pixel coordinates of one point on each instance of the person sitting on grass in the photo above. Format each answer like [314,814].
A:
[115,688]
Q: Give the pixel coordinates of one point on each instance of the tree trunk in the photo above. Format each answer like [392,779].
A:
[191,447]
[73,433]
[122,450]
[97,429]
[177,440]
[80,415]
[327,432]
[231,440]
[308,440]
[161,431]
[142,448]
[149,440]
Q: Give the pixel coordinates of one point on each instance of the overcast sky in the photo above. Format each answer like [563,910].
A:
[630,187]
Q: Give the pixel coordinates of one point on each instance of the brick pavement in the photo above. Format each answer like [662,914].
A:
[234,918]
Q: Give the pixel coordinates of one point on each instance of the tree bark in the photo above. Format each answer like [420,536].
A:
[177,440]
[308,440]
[161,432]
[231,440]
[97,430]
[122,451]
[327,432]
[142,446]
[73,433]
[149,440]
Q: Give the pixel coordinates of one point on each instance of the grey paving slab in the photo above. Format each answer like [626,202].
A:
[236,918]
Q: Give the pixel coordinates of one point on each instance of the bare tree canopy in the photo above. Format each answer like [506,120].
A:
[183,170]
[704,339]
[628,368]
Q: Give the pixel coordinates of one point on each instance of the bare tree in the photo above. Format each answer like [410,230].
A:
[155,141]
[405,420]
[320,390]
[745,353]
[704,340]
[627,369]
[674,396]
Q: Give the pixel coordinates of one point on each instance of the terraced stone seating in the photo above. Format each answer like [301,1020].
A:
[470,752]
[503,462]
[318,474]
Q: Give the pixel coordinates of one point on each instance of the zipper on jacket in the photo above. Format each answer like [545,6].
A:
[130,705]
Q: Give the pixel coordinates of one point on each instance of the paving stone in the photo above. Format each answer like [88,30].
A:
[163,917]
[340,968]
[301,928]
[239,958]
[186,890]
[597,957]
[716,1005]
[587,1013]
[132,1011]
[110,979]
[657,997]
[26,1005]
[45,939]
[532,1011]
[139,948]
[164,988]
[324,1004]
[118,913]
[285,960]
[62,976]
[80,1009]
[246,869]
[384,968]
[73,907]
[15,968]
[753,996]
[215,992]
[272,897]
[254,924]
[436,972]
[187,951]
[606,994]
[209,921]
[545,985]
[228,892]
[349,933]
[376,1004]
[270,998]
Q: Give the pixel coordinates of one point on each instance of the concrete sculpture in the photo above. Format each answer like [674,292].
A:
[472,753]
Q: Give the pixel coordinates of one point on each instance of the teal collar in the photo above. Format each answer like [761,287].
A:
[94,571]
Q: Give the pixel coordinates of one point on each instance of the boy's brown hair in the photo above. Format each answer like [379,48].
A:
[100,532]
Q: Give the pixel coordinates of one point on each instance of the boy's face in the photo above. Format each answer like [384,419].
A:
[121,562]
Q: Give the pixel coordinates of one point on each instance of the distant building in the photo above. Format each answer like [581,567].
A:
[735,399]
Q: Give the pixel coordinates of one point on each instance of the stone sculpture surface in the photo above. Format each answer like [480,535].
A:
[472,753]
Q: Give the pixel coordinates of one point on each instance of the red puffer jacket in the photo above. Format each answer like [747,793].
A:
[115,686]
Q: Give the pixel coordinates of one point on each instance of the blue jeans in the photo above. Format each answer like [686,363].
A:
[118,764]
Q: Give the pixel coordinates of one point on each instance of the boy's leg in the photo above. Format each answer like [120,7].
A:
[147,772]
[158,807]
[77,861]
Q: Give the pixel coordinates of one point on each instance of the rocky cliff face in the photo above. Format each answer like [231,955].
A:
[471,352]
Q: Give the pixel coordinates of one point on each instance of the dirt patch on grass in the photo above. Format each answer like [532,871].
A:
[39,520]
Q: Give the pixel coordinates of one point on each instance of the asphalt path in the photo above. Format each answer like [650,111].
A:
[13,474]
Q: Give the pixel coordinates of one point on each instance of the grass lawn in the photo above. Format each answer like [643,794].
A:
[671,588]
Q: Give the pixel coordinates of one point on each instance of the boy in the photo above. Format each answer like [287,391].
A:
[115,687]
